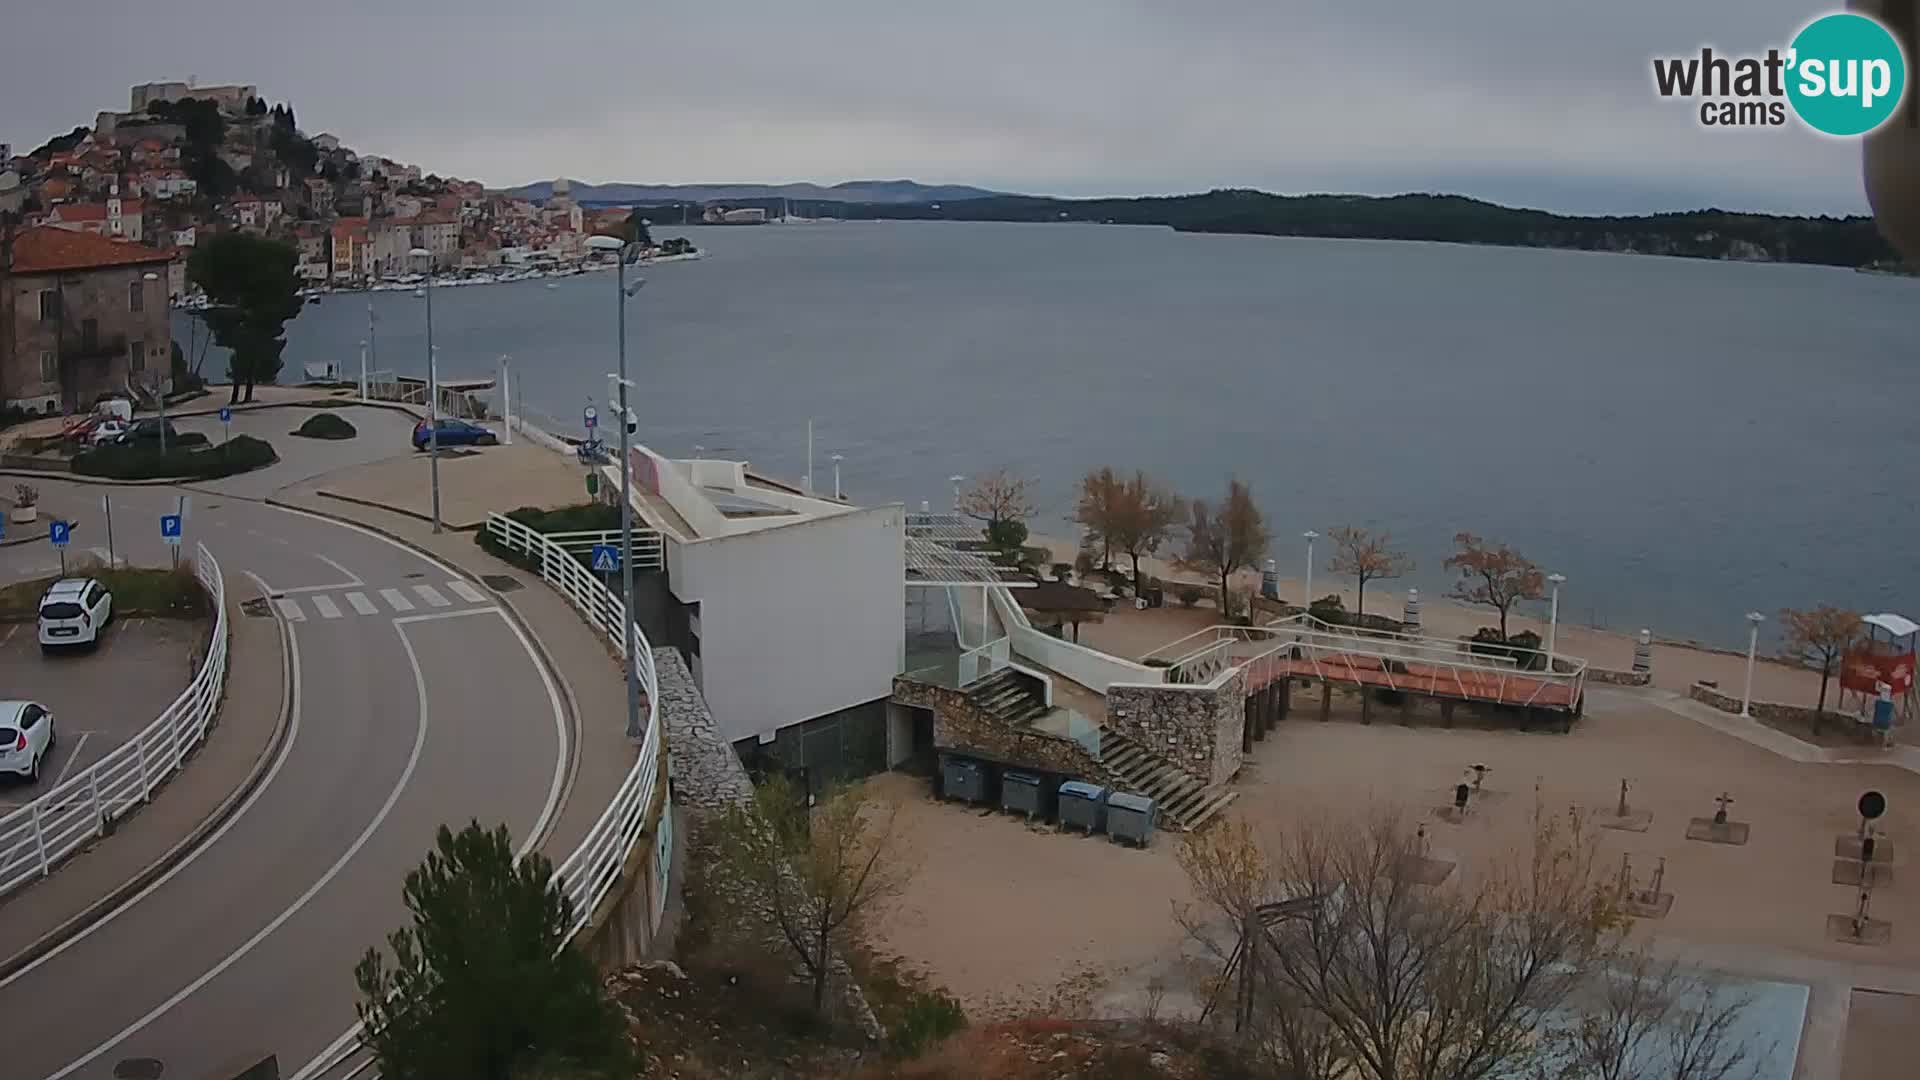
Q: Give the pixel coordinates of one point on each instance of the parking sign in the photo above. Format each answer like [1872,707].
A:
[170,528]
[226,414]
[59,533]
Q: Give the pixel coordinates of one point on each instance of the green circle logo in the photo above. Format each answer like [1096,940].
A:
[1847,74]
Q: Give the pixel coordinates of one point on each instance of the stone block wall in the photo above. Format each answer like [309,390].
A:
[1624,678]
[960,725]
[1764,710]
[1197,729]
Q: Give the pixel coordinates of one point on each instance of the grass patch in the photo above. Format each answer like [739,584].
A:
[325,426]
[240,454]
[151,592]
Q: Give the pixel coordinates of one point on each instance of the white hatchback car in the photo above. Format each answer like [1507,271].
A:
[73,612]
[26,734]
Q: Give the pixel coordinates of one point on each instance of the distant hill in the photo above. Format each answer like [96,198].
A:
[876,192]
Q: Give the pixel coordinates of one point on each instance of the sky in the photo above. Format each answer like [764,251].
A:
[1547,104]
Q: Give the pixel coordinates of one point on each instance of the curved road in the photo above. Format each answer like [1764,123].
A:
[415,702]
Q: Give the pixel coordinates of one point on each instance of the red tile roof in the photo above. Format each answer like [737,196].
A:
[47,249]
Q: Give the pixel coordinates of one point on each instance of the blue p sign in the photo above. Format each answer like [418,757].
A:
[59,533]
[170,528]
[226,414]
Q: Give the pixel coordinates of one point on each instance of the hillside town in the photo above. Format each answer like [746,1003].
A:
[185,161]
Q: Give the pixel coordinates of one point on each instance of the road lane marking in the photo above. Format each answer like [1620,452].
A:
[397,599]
[352,578]
[71,758]
[11,630]
[362,605]
[328,609]
[290,609]
[565,767]
[335,587]
[247,946]
[105,556]
[291,702]
[432,596]
[467,592]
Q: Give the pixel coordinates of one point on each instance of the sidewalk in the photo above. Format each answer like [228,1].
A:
[215,779]
[1769,739]
[590,677]
[498,478]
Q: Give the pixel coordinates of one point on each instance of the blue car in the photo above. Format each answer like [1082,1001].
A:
[453,433]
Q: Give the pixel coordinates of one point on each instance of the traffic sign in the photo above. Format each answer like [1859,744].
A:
[606,558]
[226,414]
[59,533]
[170,528]
[592,417]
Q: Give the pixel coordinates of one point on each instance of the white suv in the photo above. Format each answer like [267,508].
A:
[73,611]
[26,734]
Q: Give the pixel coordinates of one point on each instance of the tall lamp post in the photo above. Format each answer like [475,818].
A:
[1754,619]
[956,481]
[836,476]
[1553,616]
[1311,536]
[433,385]
[623,254]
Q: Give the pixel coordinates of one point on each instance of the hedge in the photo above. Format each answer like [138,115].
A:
[325,426]
[237,455]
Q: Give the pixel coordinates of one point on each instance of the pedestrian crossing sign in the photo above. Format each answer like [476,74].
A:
[606,558]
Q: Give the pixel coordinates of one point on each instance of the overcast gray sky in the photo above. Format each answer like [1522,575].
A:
[1546,104]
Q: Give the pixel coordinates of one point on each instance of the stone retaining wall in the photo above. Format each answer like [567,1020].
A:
[960,725]
[708,778]
[1764,710]
[1621,678]
[1197,729]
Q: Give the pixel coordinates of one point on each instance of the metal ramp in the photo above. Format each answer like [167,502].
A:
[1184,803]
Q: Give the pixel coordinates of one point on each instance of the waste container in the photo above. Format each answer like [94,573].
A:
[963,779]
[1130,817]
[1020,791]
[1083,806]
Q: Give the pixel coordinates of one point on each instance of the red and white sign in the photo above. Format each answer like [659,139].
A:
[1862,671]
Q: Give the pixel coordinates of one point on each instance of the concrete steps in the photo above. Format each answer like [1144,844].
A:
[1010,696]
[1184,803]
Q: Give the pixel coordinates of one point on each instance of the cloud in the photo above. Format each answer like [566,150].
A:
[1539,103]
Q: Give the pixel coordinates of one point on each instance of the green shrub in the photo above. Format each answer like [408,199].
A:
[1007,535]
[925,1019]
[325,426]
[1522,648]
[582,517]
[1188,594]
[240,454]
[1329,609]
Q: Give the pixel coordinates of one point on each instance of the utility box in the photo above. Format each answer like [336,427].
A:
[1083,806]
[963,779]
[1022,792]
[1130,817]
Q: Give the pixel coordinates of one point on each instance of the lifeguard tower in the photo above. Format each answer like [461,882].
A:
[1876,677]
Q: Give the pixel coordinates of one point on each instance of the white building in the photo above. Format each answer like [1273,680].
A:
[788,605]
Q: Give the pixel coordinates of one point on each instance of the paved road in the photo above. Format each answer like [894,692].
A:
[414,704]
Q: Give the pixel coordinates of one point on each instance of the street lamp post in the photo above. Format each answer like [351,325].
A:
[1754,619]
[1307,600]
[363,370]
[162,384]
[1553,616]
[506,399]
[622,293]
[433,386]
[836,477]
[957,481]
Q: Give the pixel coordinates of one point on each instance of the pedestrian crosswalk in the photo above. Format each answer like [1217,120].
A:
[391,601]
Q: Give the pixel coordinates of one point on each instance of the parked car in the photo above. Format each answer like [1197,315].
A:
[453,433]
[73,611]
[26,734]
[106,431]
[147,433]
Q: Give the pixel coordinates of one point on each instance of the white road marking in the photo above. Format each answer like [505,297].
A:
[396,599]
[290,609]
[361,605]
[105,556]
[328,609]
[71,758]
[11,630]
[292,704]
[432,596]
[467,592]
[338,1050]
[247,946]
[335,587]
[352,578]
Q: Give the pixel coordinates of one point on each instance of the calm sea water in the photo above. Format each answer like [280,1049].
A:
[1684,440]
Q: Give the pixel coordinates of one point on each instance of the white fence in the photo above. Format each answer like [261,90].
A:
[981,661]
[648,554]
[590,872]
[78,809]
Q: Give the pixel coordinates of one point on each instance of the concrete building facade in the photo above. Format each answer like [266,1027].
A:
[79,314]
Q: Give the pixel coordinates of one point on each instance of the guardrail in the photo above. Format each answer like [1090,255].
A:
[649,552]
[590,872]
[81,807]
[983,660]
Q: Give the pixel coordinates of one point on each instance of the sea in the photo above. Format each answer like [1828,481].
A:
[1685,440]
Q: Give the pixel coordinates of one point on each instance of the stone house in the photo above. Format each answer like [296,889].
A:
[79,315]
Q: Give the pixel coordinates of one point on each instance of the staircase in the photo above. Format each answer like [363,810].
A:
[1009,695]
[1183,802]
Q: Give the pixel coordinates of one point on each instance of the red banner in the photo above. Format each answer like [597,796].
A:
[1864,671]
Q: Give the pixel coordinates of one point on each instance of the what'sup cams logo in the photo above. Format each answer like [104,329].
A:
[1844,74]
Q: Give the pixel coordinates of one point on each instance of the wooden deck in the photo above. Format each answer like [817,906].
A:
[1413,677]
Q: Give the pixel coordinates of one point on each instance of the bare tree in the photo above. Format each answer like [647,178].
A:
[1498,577]
[1367,557]
[810,875]
[1820,638]
[1002,499]
[1224,541]
[1098,510]
[1648,1019]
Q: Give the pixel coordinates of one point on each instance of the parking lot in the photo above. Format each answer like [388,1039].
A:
[99,697]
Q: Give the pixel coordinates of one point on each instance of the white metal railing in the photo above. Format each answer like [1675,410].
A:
[649,552]
[80,807]
[983,660]
[587,875]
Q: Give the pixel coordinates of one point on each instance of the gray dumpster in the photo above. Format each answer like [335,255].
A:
[963,779]
[1130,817]
[1083,806]
[1020,791]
